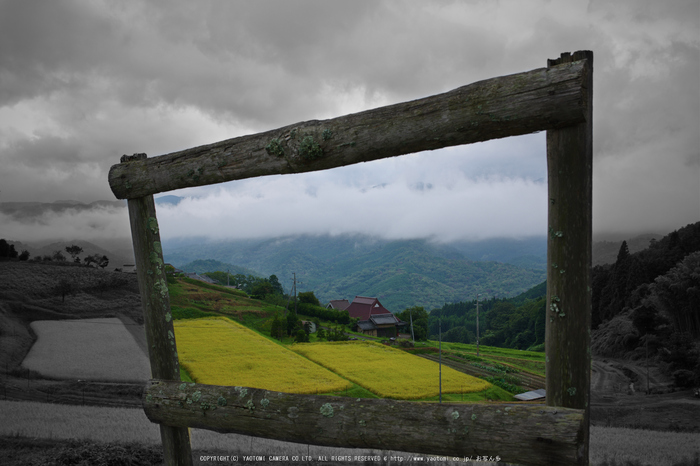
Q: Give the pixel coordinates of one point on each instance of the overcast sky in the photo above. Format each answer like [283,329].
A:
[83,82]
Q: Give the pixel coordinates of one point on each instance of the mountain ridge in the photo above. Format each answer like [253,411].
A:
[401,273]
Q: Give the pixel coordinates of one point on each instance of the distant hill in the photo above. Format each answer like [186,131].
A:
[209,265]
[400,273]
[605,252]
[27,210]
[116,259]
[168,199]
[530,253]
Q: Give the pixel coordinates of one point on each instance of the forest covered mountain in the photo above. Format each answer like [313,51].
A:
[517,322]
[401,273]
[644,305]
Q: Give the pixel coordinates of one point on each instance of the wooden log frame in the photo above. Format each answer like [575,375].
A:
[155,300]
[568,322]
[537,100]
[557,99]
[518,433]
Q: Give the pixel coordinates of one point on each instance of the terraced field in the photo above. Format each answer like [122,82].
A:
[219,351]
[389,372]
[526,380]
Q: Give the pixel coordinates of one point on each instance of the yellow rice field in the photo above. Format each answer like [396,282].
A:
[219,351]
[388,372]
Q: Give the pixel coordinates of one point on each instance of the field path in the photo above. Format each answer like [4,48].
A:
[528,381]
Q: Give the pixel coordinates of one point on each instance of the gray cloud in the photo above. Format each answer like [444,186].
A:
[82,83]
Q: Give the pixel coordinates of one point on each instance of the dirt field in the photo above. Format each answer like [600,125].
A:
[619,399]
[29,293]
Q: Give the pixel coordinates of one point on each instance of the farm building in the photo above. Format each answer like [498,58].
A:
[338,304]
[374,319]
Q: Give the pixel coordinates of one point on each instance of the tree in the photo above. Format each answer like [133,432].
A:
[677,293]
[261,289]
[58,256]
[623,254]
[276,330]
[459,335]
[420,317]
[646,319]
[292,322]
[24,255]
[301,336]
[7,250]
[74,251]
[63,287]
[337,334]
[276,286]
[308,297]
[500,315]
[103,261]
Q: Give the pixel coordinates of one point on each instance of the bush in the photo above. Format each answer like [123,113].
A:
[331,315]
[189,313]
[501,382]
[683,378]
[301,336]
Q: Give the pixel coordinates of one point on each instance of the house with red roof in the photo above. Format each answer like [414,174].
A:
[374,319]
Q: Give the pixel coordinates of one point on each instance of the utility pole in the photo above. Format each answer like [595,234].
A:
[646,345]
[228,277]
[477,324]
[440,353]
[295,292]
[412,335]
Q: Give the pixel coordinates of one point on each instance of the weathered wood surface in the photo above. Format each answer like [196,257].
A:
[568,324]
[158,323]
[518,433]
[511,105]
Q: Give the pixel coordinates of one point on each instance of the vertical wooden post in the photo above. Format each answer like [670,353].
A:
[568,323]
[155,300]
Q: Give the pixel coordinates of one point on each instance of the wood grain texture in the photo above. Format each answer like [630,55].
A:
[511,105]
[568,323]
[160,336]
[518,433]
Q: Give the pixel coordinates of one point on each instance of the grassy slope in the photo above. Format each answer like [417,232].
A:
[93,293]
[526,361]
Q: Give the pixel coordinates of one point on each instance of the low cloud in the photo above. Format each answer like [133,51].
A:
[97,224]
[286,205]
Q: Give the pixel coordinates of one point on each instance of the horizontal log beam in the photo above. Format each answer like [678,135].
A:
[518,433]
[537,100]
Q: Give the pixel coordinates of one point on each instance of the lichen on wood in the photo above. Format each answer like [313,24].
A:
[512,105]
[466,430]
